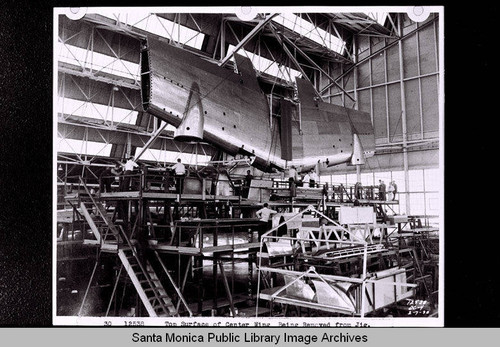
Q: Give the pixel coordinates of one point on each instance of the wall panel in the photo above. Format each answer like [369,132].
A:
[395,121]
[349,81]
[364,103]
[410,66]
[392,56]
[379,113]
[412,98]
[363,46]
[378,69]
[364,75]
[430,102]
[427,48]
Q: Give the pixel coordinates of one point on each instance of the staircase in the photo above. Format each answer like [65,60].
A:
[154,297]
[145,280]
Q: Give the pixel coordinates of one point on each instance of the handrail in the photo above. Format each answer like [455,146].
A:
[124,235]
[173,284]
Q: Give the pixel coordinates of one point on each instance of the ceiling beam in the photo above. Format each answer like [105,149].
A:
[96,133]
[248,37]
[292,57]
[317,67]
[100,91]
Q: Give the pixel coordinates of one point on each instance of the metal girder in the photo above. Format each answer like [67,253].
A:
[115,26]
[108,78]
[86,88]
[151,140]
[80,33]
[359,23]
[119,137]
[247,38]
[317,67]
[292,57]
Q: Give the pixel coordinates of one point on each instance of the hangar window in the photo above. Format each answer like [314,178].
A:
[83,147]
[268,66]
[96,62]
[67,107]
[160,26]
[307,29]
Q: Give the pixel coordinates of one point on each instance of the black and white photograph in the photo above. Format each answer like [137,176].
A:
[248,166]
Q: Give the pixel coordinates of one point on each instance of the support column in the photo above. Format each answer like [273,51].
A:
[129,146]
[403,112]
[355,85]
[355,81]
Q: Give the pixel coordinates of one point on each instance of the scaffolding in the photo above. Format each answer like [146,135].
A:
[307,286]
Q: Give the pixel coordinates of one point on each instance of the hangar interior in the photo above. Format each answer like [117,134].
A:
[149,242]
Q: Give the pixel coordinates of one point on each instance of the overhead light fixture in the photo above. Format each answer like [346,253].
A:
[418,13]
[246,13]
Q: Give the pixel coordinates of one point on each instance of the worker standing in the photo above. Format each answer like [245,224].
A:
[127,175]
[180,173]
[390,192]
[313,178]
[340,192]
[246,184]
[306,179]
[292,181]
[264,215]
[292,174]
[381,190]
[105,180]
[358,190]
[117,172]
[395,190]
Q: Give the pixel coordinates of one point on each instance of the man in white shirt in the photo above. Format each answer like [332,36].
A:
[129,170]
[180,172]
[264,215]
[306,179]
[292,181]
